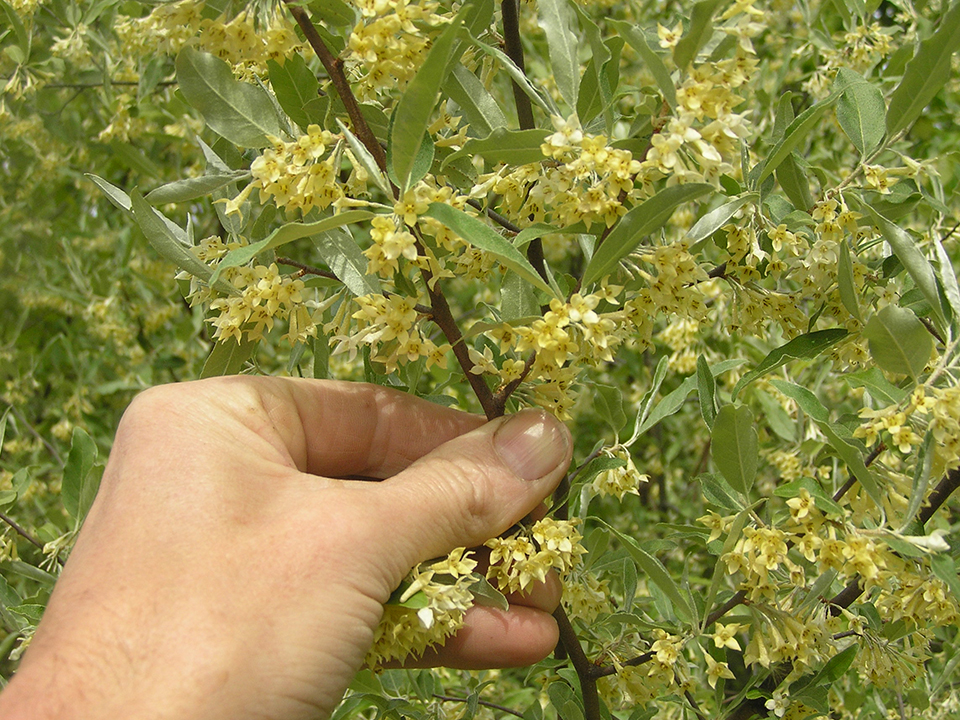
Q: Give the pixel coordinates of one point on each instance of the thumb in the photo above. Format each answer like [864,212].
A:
[475,486]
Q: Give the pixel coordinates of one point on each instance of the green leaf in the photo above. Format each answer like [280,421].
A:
[944,567]
[925,74]
[735,446]
[477,105]
[794,183]
[79,485]
[698,32]
[635,39]
[487,595]
[558,24]
[366,160]
[545,102]
[845,281]
[564,700]
[803,346]
[168,240]
[717,491]
[775,416]
[706,391]
[19,31]
[921,480]
[820,498]
[513,147]
[898,342]
[288,233]
[413,111]
[643,220]
[847,452]
[483,237]
[948,279]
[192,188]
[608,404]
[860,111]
[794,134]
[881,389]
[114,194]
[913,260]
[3,426]
[655,572]
[339,250]
[836,667]
[717,218]
[334,12]
[295,85]
[238,111]
[228,357]
[517,298]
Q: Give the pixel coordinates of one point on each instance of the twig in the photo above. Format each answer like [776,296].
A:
[485,703]
[495,216]
[503,394]
[33,431]
[693,703]
[334,67]
[586,670]
[25,535]
[851,480]
[729,605]
[931,329]
[510,12]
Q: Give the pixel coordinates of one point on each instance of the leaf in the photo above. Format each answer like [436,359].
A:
[820,498]
[478,106]
[847,452]
[114,194]
[485,238]
[513,147]
[881,389]
[913,260]
[860,111]
[295,85]
[517,298]
[165,240]
[487,595]
[557,21]
[717,218]
[794,183]
[365,159]
[925,74]
[564,700]
[518,76]
[948,279]
[635,39]
[706,391]
[608,404]
[921,480]
[192,188]
[78,487]
[339,250]
[288,233]
[717,491]
[3,426]
[846,283]
[803,346]
[735,446]
[898,342]
[698,32]
[644,219]
[654,571]
[944,567]
[228,358]
[794,134]
[238,111]
[412,115]
[19,31]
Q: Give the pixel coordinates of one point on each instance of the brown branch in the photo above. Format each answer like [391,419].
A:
[729,605]
[25,535]
[334,67]
[586,670]
[510,13]
[495,216]
[947,485]
[503,394]
[931,329]
[485,703]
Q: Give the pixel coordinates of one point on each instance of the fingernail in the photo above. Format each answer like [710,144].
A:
[532,443]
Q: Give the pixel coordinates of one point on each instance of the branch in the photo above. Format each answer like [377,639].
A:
[510,12]
[586,670]
[334,68]
[33,431]
[25,535]
[494,215]
[851,480]
[503,394]
[485,703]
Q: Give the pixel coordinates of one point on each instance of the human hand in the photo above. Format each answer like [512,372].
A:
[223,573]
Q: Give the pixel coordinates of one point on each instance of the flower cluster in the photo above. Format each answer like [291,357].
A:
[527,556]
[619,481]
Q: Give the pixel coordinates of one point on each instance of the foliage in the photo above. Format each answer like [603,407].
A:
[718,240]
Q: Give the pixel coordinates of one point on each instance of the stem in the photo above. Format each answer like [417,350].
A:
[851,480]
[334,67]
[586,670]
[503,394]
[24,534]
[33,431]
[510,12]
[485,703]
[495,216]
[729,605]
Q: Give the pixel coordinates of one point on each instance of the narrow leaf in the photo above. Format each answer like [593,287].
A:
[412,115]
[643,220]
[898,342]
[698,32]
[518,76]
[228,358]
[735,446]
[795,133]
[339,250]
[483,237]
[706,391]
[294,85]
[365,159]
[557,21]
[608,404]
[948,279]
[478,106]
[913,260]
[845,281]
[804,346]
[635,39]
[238,111]
[860,111]
[78,487]
[717,218]
[114,194]
[192,188]
[925,74]
[513,147]
[487,595]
